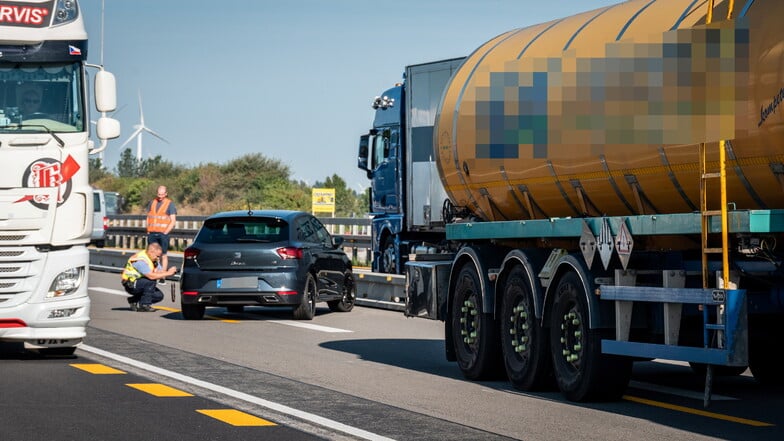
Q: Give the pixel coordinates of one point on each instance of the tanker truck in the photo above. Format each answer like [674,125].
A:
[615,193]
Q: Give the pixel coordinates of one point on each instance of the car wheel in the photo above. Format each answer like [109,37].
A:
[345,304]
[235,309]
[192,312]
[99,244]
[307,307]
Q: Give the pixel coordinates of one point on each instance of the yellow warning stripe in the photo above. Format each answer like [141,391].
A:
[235,417]
[159,390]
[164,308]
[95,368]
[699,412]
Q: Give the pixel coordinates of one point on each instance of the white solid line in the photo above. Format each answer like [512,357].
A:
[325,422]
[116,292]
[678,392]
[308,326]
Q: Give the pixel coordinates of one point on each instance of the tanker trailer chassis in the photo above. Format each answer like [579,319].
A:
[575,301]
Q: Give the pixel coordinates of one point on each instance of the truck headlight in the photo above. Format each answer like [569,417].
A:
[66,283]
[65,11]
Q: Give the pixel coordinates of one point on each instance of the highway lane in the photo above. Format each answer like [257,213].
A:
[376,372]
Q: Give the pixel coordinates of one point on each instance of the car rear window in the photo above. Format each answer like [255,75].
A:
[233,230]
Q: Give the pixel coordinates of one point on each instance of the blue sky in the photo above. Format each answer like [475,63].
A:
[292,80]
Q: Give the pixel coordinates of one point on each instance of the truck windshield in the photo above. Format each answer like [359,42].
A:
[41,97]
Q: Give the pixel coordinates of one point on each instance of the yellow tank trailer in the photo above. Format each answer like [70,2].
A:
[603,113]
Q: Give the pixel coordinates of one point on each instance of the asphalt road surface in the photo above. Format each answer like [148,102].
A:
[366,374]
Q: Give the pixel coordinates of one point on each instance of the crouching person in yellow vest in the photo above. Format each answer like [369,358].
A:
[140,276]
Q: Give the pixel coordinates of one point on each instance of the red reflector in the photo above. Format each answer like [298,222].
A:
[289,253]
[190,293]
[105,223]
[287,293]
[12,323]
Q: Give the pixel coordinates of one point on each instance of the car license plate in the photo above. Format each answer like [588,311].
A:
[238,282]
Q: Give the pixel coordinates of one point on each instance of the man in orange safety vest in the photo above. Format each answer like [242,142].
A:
[161,216]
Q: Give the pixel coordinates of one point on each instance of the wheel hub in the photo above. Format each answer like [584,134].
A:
[469,322]
[520,328]
[571,337]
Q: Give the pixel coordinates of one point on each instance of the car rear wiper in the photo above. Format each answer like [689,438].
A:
[250,239]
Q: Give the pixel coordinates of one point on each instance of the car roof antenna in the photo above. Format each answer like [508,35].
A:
[250,211]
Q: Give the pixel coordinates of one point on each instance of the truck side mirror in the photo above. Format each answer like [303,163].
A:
[105,92]
[107,128]
[364,152]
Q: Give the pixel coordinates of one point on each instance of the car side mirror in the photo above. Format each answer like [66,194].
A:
[337,241]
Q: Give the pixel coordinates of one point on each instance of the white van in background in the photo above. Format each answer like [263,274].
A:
[100,220]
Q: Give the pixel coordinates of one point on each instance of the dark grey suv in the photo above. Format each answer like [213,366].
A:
[265,258]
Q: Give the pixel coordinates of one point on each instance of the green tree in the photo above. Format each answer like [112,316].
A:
[128,166]
[96,171]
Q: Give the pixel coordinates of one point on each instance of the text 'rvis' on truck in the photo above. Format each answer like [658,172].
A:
[46,202]
[580,194]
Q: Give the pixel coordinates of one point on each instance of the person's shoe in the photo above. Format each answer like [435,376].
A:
[161,281]
[145,308]
[134,306]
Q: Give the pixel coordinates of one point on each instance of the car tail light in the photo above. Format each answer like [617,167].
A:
[105,223]
[190,293]
[289,253]
[191,253]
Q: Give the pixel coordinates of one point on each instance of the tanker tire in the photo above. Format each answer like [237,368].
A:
[524,343]
[474,333]
[582,372]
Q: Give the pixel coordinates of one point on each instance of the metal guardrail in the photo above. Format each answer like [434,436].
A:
[128,231]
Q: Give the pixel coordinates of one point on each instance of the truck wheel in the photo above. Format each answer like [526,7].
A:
[388,262]
[307,308]
[582,372]
[474,333]
[524,343]
[192,312]
[346,303]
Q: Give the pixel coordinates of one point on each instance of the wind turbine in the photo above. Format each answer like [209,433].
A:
[141,128]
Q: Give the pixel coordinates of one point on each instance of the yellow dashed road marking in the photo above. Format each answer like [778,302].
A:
[159,390]
[717,416]
[235,417]
[95,368]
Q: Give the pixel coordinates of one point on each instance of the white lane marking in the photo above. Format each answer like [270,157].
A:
[678,392]
[116,292]
[308,326]
[325,422]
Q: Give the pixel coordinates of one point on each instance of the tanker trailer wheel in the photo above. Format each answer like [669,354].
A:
[582,372]
[474,333]
[524,343]
[388,262]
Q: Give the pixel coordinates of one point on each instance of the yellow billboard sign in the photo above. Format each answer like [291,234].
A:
[323,200]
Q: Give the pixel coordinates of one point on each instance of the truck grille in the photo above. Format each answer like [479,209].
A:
[14,238]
